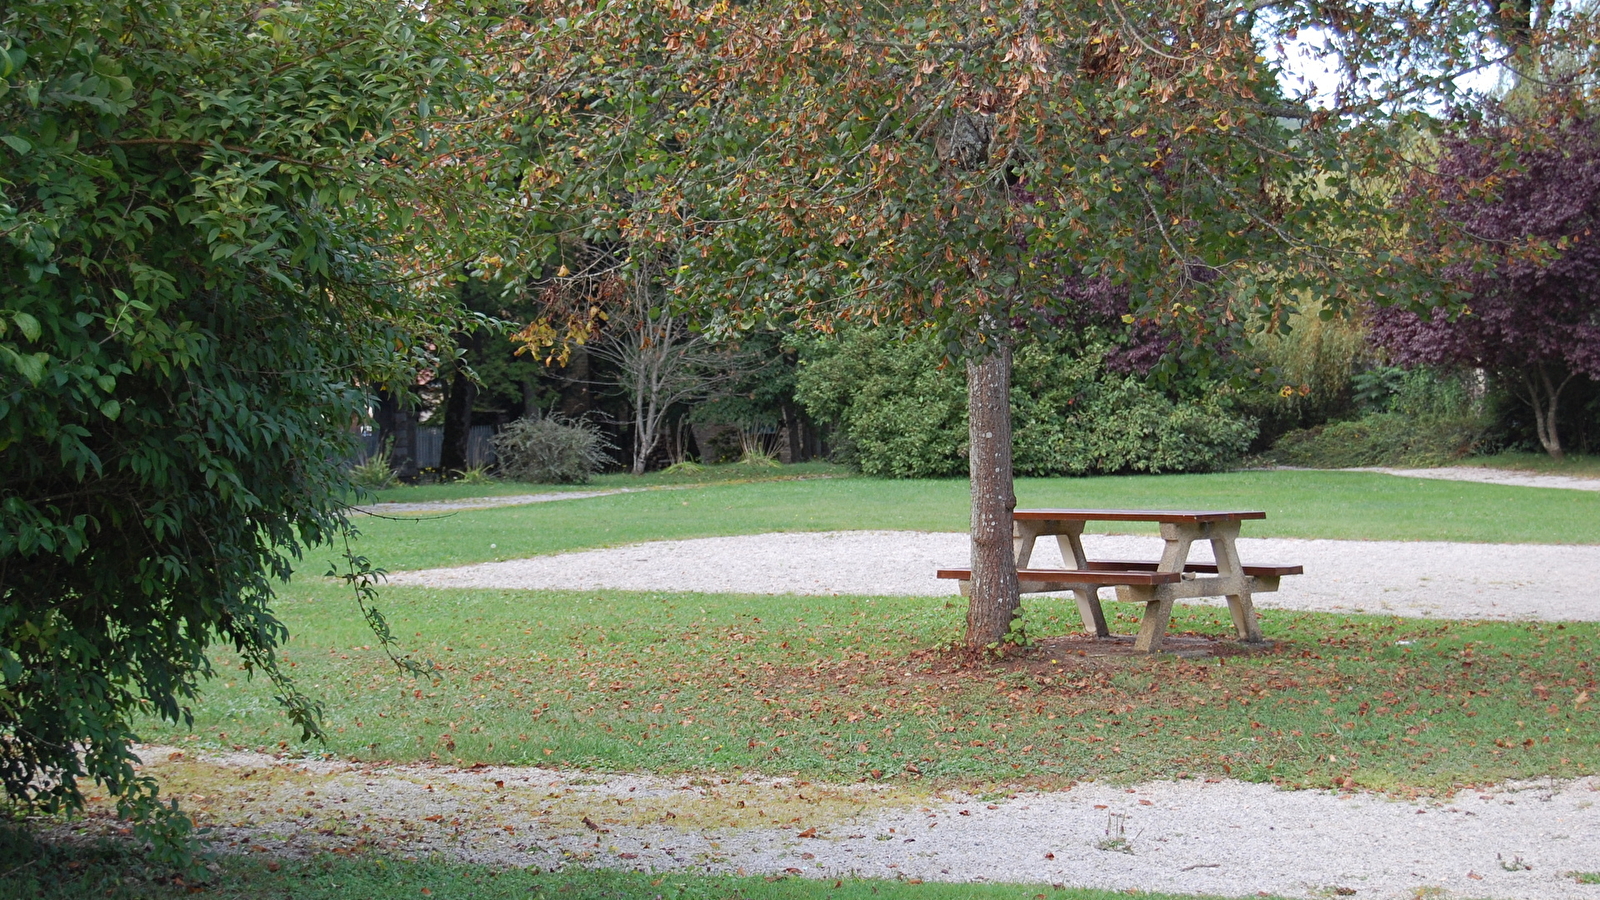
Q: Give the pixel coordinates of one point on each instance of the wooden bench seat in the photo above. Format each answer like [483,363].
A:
[1096,576]
[1259,570]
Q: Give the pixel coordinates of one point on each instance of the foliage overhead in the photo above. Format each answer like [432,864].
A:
[1517,203]
[966,165]
[213,221]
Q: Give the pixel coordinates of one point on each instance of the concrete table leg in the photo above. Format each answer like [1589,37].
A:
[1158,609]
[1070,540]
[1153,627]
[1023,536]
[1240,606]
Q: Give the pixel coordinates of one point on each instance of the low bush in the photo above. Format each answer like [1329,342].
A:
[1416,417]
[375,473]
[551,450]
[898,411]
[1073,417]
[1380,439]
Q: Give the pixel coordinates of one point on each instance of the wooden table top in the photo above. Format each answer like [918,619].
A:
[1176,516]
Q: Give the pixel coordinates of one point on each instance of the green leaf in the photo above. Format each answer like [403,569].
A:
[30,366]
[28,325]
[16,143]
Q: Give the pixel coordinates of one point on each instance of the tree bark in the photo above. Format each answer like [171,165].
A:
[994,599]
[457,424]
[646,431]
[1544,395]
[463,394]
[793,448]
[397,433]
[530,394]
[576,400]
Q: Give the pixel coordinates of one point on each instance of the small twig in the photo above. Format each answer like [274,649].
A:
[10,872]
[368,512]
[1201,866]
[173,142]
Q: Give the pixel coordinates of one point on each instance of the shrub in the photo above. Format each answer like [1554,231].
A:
[551,450]
[1311,372]
[1075,418]
[1417,417]
[1380,439]
[901,414]
[898,414]
[475,475]
[374,474]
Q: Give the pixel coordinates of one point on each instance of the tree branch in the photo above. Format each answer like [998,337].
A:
[234,148]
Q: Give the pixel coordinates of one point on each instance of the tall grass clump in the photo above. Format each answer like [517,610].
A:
[375,473]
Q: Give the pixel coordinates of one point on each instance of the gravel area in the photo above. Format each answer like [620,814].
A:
[1215,837]
[1494,476]
[1406,578]
[389,509]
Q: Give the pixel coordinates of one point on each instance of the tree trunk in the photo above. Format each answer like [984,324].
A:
[575,396]
[794,450]
[454,443]
[457,424]
[530,394]
[1544,395]
[994,599]
[397,433]
[644,436]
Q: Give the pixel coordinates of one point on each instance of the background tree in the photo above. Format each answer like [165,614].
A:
[207,212]
[659,362]
[761,403]
[952,166]
[1517,206]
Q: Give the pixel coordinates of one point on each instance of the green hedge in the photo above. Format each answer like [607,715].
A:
[1380,439]
[898,411]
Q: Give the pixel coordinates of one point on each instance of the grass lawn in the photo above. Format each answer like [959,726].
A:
[846,688]
[1309,504]
[855,688]
[54,872]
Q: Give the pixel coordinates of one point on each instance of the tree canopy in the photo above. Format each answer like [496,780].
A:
[214,221]
[1515,200]
[982,170]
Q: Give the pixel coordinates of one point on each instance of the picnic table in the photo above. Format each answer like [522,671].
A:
[1157,584]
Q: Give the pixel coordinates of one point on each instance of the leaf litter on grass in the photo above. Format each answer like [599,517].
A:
[847,689]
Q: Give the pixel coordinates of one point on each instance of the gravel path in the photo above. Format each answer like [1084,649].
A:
[1219,837]
[1407,578]
[1494,476]
[388,509]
